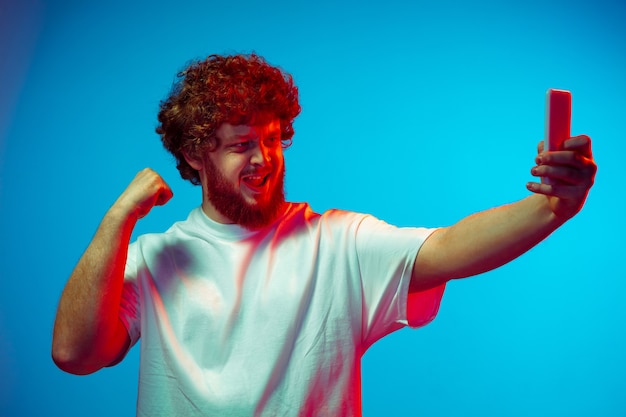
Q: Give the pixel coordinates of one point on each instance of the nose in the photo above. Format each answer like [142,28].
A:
[260,154]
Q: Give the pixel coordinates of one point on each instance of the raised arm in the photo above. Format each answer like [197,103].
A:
[489,239]
[88,334]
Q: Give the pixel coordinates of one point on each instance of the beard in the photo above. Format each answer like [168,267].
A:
[231,203]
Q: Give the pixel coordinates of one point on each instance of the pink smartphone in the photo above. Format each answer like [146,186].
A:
[558,118]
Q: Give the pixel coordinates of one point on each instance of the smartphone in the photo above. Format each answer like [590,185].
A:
[558,118]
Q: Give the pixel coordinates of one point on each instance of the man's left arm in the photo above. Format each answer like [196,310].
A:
[489,239]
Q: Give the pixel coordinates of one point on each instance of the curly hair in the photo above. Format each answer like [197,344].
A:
[237,89]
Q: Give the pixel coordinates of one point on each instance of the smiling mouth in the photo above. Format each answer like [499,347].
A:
[256,181]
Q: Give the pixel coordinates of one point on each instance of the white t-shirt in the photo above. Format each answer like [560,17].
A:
[267,323]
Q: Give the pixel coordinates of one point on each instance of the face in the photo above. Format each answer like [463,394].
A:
[243,178]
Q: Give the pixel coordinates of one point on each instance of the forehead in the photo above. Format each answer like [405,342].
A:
[229,131]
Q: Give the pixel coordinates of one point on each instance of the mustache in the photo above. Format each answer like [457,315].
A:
[257,171]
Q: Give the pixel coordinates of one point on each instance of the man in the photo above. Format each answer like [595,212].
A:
[257,306]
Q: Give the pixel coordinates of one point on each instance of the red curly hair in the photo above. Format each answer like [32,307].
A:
[238,89]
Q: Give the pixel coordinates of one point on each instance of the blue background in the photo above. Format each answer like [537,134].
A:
[417,112]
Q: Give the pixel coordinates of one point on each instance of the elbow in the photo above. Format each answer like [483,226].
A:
[71,361]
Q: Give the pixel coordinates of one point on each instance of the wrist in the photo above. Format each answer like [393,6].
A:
[123,214]
[545,211]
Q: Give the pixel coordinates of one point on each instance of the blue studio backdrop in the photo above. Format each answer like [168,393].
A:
[418,112]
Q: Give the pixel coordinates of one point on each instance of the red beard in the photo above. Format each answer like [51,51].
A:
[230,203]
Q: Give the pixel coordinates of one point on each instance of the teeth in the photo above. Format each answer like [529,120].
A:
[255,180]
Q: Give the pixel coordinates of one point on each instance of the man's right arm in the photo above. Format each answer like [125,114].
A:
[88,334]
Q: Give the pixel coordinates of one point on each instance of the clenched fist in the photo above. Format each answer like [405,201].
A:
[145,191]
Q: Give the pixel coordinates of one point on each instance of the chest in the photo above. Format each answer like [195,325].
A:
[202,295]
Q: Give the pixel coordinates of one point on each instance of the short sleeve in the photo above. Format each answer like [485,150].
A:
[386,255]
[129,307]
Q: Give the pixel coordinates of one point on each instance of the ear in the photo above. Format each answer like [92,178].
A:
[193,161]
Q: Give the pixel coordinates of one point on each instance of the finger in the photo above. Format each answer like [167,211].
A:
[581,143]
[564,174]
[540,146]
[562,191]
[571,158]
[164,196]
[540,188]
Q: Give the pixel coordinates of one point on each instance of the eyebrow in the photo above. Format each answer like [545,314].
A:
[254,136]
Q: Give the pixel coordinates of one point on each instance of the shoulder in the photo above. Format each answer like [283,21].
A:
[176,231]
[330,218]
